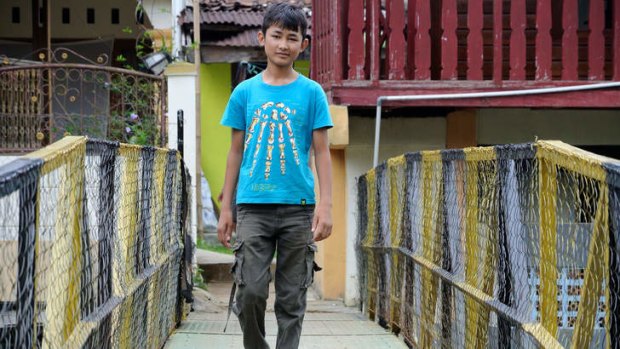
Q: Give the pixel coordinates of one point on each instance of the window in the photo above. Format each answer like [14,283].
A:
[90,15]
[15,15]
[66,15]
[116,16]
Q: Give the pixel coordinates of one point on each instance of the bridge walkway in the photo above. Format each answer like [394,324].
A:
[327,325]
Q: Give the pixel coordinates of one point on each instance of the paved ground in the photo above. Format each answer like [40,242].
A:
[327,325]
[208,257]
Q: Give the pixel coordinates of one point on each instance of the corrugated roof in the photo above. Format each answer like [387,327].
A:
[253,2]
[244,13]
[242,18]
[250,3]
[247,38]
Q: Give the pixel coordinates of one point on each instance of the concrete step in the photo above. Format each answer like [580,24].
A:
[216,266]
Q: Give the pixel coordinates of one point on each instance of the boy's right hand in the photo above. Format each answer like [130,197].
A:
[225,227]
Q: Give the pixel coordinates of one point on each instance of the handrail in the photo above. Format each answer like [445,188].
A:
[82,66]
[492,94]
[94,236]
[522,231]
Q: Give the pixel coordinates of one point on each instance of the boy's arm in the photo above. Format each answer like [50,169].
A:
[322,222]
[225,225]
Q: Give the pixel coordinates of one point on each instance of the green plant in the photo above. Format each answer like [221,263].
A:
[134,129]
[198,279]
[203,245]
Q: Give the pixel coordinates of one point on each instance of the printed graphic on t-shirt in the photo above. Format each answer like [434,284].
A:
[272,121]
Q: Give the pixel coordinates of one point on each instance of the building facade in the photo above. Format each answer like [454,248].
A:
[364,51]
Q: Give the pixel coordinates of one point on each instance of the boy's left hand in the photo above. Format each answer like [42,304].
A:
[322,223]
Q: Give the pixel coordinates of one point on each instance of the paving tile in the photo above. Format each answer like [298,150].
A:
[190,341]
[327,325]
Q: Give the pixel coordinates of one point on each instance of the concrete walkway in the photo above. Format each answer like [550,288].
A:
[327,325]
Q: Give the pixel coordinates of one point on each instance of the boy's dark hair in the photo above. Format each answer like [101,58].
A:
[286,16]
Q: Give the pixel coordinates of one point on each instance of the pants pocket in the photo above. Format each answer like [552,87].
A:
[311,266]
[237,266]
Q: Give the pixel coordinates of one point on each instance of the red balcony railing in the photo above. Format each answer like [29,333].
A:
[400,46]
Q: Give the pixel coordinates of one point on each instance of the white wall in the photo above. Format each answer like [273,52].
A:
[177,7]
[577,127]
[182,95]
[494,126]
[160,13]
[398,136]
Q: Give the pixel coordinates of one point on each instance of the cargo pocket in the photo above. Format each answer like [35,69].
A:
[237,266]
[311,266]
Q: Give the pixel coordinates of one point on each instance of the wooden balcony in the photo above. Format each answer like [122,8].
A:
[365,49]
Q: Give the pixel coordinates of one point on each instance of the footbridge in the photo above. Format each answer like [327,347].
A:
[507,246]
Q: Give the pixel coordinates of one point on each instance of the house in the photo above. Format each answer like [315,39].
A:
[365,50]
[95,29]
[230,53]
[79,45]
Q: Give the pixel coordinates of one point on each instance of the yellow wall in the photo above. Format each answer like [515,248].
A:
[215,84]
[331,256]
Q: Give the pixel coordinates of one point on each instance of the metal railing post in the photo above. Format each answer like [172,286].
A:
[180,131]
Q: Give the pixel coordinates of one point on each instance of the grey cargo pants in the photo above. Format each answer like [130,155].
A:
[261,230]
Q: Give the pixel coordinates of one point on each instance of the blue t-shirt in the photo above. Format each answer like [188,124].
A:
[278,122]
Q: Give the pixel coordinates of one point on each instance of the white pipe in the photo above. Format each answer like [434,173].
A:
[375,158]
[177,7]
[511,93]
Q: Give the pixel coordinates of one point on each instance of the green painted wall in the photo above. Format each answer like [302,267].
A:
[303,67]
[215,84]
[215,88]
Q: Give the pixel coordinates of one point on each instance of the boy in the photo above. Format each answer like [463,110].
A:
[276,117]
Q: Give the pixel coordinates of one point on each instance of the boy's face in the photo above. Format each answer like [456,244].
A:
[282,46]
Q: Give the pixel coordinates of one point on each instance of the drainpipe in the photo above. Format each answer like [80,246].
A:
[375,158]
[177,7]
[536,91]
[198,169]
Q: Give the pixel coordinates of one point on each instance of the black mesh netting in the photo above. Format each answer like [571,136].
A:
[92,246]
[507,246]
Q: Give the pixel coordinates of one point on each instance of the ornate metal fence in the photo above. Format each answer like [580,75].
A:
[42,102]
[508,246]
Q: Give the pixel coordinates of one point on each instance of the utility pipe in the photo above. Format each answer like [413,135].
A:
[512,93]
[197,60]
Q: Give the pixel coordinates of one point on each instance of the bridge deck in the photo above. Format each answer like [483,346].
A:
[327,325]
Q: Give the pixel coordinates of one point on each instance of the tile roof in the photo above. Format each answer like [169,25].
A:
[249,3]
[244,15]
[247,38]
[239,17]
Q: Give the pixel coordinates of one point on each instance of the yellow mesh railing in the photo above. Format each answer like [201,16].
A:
[92,240]
[506,246]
